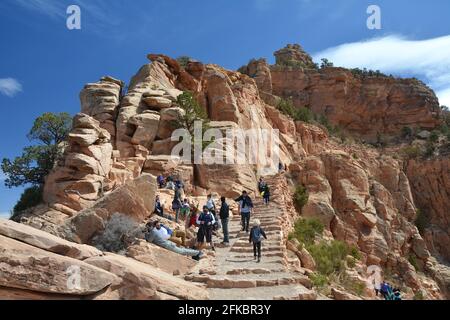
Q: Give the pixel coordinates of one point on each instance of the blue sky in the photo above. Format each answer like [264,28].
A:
[43,65]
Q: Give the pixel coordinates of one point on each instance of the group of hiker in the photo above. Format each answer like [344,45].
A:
[206,223]
[388,292]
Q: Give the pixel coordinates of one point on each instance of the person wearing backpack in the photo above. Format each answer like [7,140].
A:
[257,234]
[245,209]
[206,223]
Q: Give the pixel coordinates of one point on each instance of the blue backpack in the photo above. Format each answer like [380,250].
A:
[257,235]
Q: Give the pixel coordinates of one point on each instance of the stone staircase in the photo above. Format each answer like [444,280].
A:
[235,275]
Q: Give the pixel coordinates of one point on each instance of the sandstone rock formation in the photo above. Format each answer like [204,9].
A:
[366,106]
[37,265]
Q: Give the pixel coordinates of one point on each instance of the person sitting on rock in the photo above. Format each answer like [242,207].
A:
[245,209]
[161,181]
[206,223]
[257,234]
[177,236]
[159,209]
[170,185]
[156,236]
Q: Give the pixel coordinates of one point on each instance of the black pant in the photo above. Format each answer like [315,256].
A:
[257,249]
[245,219]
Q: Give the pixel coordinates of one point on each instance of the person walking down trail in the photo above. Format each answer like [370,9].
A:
[206,223]
[266,194]
[245,209]
[225,217]
[257,235]
[157,237]
[261,185]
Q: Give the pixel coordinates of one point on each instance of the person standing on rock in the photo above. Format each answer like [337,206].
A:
[176,207]
[245,209]
[205,222]
[257,235]
[161,181]
[224,217]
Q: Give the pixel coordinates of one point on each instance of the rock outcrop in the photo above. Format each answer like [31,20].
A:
[39,266]
[370,107]
[430,181]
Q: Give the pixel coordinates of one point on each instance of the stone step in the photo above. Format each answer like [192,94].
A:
[251,280]
[289,292]
[246,244]
[241,271]
[263,249]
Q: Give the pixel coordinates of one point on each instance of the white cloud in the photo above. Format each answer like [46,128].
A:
[10,87]
[427,59]
[51,8]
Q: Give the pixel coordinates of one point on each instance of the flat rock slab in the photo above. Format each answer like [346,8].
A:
[26,267]
[46,241]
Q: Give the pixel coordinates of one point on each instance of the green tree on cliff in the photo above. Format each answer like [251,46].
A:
[49,131]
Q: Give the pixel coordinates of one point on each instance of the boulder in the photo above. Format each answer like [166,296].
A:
[46,241]
[140,281]
[29,268]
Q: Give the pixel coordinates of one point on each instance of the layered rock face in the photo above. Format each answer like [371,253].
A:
[368,107]
[430,181]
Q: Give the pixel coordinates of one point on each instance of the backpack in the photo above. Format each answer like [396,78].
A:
[257,235]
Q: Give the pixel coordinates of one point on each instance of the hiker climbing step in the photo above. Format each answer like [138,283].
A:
[238,274]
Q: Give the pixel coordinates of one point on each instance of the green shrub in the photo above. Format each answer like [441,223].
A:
[406,132]
[303,114]
[30,198]
[306,230]
[411,152]
[183,61]
[355,156]
[326,64]
[318,280]
[413,260]
[422,221]
[418,295]
[355,253]
[430,148]
[329,257]
[434,137]
[301,197]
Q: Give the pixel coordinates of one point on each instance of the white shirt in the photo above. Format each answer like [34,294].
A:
[210,204]
[162,232]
